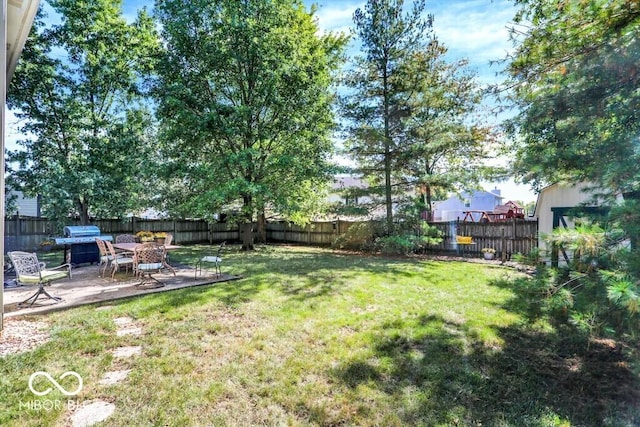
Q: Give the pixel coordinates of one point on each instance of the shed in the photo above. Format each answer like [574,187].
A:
[556,198]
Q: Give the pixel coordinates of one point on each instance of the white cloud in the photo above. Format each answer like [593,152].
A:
[336,17]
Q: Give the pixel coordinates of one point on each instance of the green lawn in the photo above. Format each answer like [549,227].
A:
[312,337]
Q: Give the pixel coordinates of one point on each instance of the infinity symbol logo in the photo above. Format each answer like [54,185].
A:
[55,383]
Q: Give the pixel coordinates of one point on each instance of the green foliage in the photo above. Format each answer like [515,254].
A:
[244,93]
[77,89]
[413,117]
[397,244]
[372,236]
[359,237]
[378,86]
[596,293]
[575,77]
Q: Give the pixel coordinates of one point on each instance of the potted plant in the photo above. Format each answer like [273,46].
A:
[159,237]
[489,253]
[145,236]
[47,244]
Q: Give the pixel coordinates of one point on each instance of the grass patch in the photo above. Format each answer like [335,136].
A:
[312,337]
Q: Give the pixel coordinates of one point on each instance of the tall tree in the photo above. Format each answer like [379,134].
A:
[446,145]
[374,105]
[77,89]
[245,98]
[409,112]
[575,76]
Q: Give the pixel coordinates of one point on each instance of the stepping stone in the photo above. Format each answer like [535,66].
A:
[92,412]
[123,321]
[114,377]
[127,351]
[129,331]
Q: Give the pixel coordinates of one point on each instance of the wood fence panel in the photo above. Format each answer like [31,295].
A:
[514,236]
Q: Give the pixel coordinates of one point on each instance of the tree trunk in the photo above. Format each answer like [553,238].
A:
[633,197]
[247,236]
[262,228]
[427,202]
[247,226]
[387,152]
[83,211]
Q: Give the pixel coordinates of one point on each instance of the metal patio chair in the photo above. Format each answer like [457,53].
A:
[122,259]
[125,238]
[30,271]
[149,259]
[215,259]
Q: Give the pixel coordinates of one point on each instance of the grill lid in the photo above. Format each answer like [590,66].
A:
[81,231]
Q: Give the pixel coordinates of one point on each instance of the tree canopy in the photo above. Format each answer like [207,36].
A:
[245,97]
[376,90]
[409,112]
[77,90]
[575,75]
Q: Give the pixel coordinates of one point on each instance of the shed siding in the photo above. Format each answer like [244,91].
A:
[556,196]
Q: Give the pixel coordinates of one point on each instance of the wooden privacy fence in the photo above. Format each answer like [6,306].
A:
[315,233]
[27,233]
[513,236]
[508,237]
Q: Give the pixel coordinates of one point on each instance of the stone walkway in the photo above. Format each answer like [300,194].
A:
[91,412]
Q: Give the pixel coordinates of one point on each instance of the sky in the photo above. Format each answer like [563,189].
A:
[473,29]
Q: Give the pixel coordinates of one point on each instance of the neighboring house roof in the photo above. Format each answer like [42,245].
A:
[20,14]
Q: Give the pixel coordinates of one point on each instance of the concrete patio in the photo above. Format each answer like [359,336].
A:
[87,287]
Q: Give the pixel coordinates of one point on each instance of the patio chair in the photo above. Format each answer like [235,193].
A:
[30,271]
[118,260]
[149,259]
[125,238]
[105,256]
[215,259]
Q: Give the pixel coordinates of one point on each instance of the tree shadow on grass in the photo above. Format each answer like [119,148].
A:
[230,293]
[445,375]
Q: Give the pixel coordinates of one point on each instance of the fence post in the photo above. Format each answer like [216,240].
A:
[175,230]
[504,246]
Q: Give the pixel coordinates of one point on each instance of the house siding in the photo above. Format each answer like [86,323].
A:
[454,207]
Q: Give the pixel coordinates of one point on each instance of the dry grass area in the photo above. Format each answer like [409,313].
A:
[312,337]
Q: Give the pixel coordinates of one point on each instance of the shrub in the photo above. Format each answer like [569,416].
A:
[397,244]
[359,237]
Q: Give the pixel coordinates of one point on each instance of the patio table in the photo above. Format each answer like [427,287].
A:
[130,247]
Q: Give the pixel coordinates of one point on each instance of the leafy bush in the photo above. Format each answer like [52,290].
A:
[597,293]
[396,245]
[404,243]
[370,237]
[359,237]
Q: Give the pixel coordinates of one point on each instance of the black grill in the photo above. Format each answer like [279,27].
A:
[80,243]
